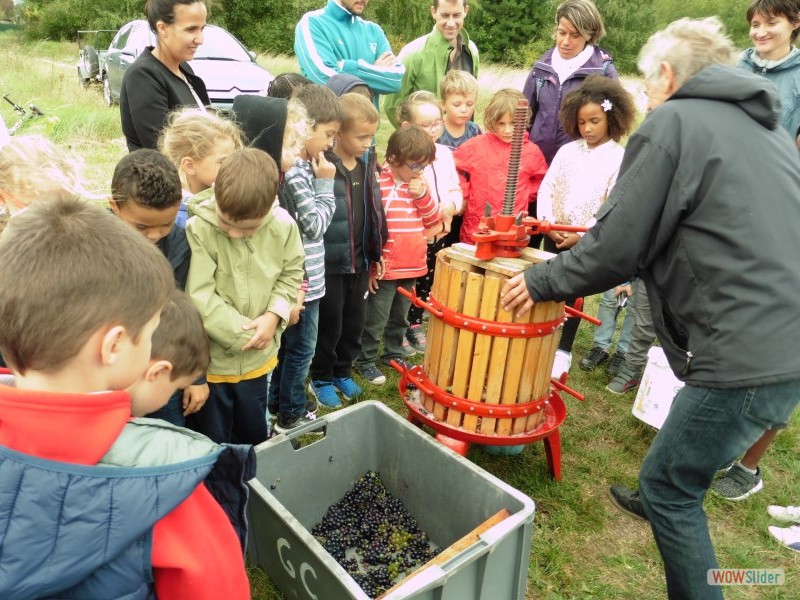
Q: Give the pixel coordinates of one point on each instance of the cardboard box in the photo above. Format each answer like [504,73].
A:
[656,390]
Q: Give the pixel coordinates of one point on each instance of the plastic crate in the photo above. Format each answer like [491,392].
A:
[448,495]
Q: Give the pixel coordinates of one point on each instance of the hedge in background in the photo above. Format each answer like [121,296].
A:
[515,32]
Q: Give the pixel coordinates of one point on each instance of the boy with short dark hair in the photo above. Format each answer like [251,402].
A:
[146,194]
[409,210]
[247,267]
[80,299]
[307,193]
[353,244]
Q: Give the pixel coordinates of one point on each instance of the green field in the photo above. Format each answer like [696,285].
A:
[583,547]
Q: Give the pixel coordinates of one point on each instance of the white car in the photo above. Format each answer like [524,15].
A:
[226,67]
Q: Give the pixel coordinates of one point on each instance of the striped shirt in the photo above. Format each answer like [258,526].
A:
[310,201]
[407,218]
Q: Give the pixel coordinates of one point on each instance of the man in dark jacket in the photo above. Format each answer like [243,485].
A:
[706,211]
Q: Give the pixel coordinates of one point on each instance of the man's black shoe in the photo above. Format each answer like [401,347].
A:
[627,500]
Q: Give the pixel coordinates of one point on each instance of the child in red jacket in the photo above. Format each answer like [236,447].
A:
[482,164]
[409,210]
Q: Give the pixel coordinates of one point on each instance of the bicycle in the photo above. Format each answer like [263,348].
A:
[31,112]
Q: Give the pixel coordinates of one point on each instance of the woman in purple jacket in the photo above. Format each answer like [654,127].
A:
[562,69]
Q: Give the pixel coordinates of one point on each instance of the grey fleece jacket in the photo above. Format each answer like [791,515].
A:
[706,211]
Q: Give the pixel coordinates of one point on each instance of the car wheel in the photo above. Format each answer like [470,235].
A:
[91,62]
[107,91]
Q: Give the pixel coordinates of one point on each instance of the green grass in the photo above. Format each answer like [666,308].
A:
[582,546]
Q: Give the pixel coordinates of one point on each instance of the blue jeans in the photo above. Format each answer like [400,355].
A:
[235,413]
[287,393]
[607,313]
[706,429]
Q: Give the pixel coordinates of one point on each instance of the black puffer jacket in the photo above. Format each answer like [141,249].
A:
[338,247]
[707,211]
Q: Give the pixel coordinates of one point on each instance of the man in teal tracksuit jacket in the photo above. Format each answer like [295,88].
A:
[335,39]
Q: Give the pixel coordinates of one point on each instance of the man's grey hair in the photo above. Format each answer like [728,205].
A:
[688,46]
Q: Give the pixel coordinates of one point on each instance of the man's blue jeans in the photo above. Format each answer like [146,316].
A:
[287,392]
[706,429]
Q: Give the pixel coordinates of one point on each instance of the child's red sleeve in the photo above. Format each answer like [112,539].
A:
[537,171]
[428,210]
[196,553]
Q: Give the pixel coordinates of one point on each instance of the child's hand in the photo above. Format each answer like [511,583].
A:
[417,187]
[294,316]
[568,241]
[624,289]
[373,283]
[194,398]
[447,213]
[555,236]
[380,268]
[323,168]
[265,327]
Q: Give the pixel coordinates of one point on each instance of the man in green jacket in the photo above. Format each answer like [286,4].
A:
[429,57]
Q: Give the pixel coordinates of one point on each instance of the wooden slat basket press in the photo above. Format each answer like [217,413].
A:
[486,372]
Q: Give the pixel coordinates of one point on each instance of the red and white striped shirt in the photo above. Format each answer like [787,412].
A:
[407,218]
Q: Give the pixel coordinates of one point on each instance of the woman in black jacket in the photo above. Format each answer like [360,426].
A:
[160,81]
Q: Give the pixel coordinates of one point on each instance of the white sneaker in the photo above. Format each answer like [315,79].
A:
[788,536]
[790,514]
[562,364]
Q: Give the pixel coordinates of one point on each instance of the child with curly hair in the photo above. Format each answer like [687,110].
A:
[598,115]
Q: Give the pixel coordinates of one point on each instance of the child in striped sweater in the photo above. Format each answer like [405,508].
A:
[307,193]
[409,210]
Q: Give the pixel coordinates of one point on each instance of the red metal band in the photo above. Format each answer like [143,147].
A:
[417,376]
[482,326]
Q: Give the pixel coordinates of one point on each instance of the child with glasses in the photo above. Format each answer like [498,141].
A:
[423,109]
[409,210]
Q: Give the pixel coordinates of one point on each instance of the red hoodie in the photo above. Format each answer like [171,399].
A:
[189,561]
[482,164]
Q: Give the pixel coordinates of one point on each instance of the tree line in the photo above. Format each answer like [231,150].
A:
[514,32]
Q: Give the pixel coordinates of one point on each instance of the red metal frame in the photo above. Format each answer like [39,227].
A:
[458,439]
[506,235]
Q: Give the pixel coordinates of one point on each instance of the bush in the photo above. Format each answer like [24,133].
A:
[61,19]
[514,32]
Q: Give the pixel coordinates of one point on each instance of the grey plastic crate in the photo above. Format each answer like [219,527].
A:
[447,494]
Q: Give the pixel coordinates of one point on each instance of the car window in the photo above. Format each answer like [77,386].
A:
[139,39]
[218,44]
[122,38]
